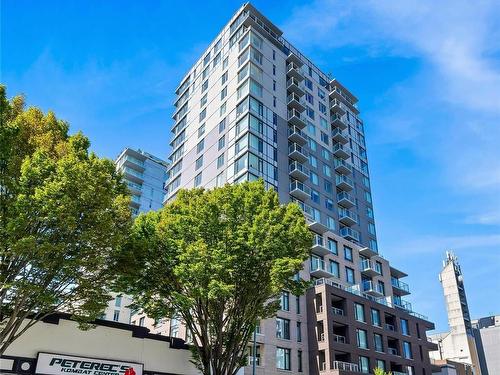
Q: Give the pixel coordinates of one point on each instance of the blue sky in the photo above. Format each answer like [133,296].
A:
[427,75]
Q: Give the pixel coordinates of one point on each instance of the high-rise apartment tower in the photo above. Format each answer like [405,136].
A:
[254,107]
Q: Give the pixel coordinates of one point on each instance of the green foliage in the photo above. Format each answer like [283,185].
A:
[379,371]
[63,216]
[218,259]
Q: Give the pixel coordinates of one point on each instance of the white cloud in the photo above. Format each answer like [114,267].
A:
[448,112]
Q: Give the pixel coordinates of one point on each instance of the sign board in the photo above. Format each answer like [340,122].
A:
[58,364]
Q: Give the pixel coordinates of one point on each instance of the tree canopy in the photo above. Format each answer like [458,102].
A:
[218,260]
[64,212]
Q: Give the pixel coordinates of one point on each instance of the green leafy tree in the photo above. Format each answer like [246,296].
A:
[218,259]
[63,215]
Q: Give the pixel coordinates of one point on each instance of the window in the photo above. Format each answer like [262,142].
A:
[141,322]
[255,88]
[283,328]
[327,170]
[222,126]
[203,114]
[241,163]
[364,364]
[116,315]
[223,93]
[330,223]
[299,360]
[332,246]
[347,253]
[308,83]
[118,301]
[221,178]
[369,212]
[203,100]
[274,85]
[223,78]
[321,93]
[222,110]
[197,180]
[221,143]
[329,204]
[225,63]
[274,55]
[204,86]
[334,268]
[297,301]
[314,196]
[322,108]
[368,197]
[381,287]
[283,359]
[313,161]
[376,317]
[405,329]
[328,186]
[378,267]
[205,73]
[349,274]
[407,350]
[371,228]
[200,146]
[201,130]
[361,338]
[310,112]
[299,331]
[199,163]
[309,98]
[378,343]
[325,138]
[206,59]
[274,69]
[381,364]
[314,178]
[216,60]
[220,161]
[359,312]
[285,301]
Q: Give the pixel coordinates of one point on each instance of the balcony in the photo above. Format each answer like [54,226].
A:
[345,199]
[318,246]
[298,171]
[318,268]
[349,234]
[299,190]
[345,366]
[341,151]
[402,304]
[134,188]
[367,252]
[371,288]
[337,311]
[389,327]
[296,152]
[293,58]
[296,135]
[295,119]
[338,135]
[135,201]
[336,121]
[399,287]
[338,338]
[343,182]
[293,85]
[392,351]
[368,268]
[293,70]
[347,217]
[134,163]
[293,101]
[337,107]
[133,175]
[342,166]
[316,225]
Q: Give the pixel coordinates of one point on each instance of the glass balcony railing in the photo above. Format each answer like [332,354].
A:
[298,167]
[396,283]
[133,172]
[350,233]
[297,185]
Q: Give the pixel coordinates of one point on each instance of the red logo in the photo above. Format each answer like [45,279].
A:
[129,371]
